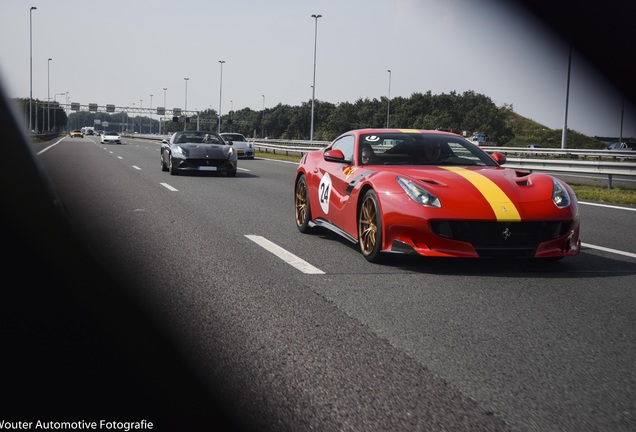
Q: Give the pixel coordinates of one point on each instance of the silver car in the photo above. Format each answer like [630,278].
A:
[243,146]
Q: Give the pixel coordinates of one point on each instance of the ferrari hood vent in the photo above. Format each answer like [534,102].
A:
[432,182]
[523,178]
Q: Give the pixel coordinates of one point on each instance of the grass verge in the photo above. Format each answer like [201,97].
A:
[605,195]
[292,158]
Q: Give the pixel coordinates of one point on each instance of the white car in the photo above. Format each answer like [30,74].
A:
[244,148]
[111,137]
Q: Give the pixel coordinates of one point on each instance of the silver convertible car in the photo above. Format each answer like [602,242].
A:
[197,151]
[243,146]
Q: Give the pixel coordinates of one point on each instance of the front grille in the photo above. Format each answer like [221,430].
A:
[499,238]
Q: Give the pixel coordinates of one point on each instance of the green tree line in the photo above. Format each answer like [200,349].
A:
[457,112]
[464,113]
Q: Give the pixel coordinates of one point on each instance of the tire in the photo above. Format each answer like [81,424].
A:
[301,204]
[171,168]
[164,167]
[370,227]
[231,173]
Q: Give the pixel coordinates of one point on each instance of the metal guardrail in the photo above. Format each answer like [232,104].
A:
[45,136]
[595,162]
[607,163]
[602,168]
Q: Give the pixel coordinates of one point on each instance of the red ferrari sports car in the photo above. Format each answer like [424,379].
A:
[434,193]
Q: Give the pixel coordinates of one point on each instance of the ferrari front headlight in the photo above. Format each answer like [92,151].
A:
[560,196]
[418,193]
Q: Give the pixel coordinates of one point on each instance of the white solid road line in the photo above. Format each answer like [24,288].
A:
[286,256]
[607,206]
[604,249]
[52,145]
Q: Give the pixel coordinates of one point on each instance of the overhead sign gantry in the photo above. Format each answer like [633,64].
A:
[109,108]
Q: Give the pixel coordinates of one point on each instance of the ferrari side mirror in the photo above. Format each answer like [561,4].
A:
[335,155]
[500,158]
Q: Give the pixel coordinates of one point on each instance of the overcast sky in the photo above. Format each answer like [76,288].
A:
[120,52]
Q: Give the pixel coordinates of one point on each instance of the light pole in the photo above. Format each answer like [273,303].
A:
[564,135]
[164,107]
[185,109]
[620,137]
[313,87]
[141,101]
[388,102]
[151,114]
[65,108]
[55,109]
[48,94]
[31,68]
[220,93]
[263,119]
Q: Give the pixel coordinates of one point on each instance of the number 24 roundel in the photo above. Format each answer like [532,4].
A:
[324,192]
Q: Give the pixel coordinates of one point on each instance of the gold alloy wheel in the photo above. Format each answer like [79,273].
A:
[301,203]
[367,227]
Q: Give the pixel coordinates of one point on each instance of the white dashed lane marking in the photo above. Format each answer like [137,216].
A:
[286,256]
[167,186]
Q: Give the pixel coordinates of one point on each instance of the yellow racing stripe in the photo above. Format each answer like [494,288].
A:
[504,209]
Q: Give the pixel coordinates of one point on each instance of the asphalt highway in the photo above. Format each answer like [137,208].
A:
[298,332]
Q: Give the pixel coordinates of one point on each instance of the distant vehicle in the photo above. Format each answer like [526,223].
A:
[111,137]
[534,146]
[435,194]
[478,137]
[242,145]
[621,146]
[481,139]
[77,134]
[198,151]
